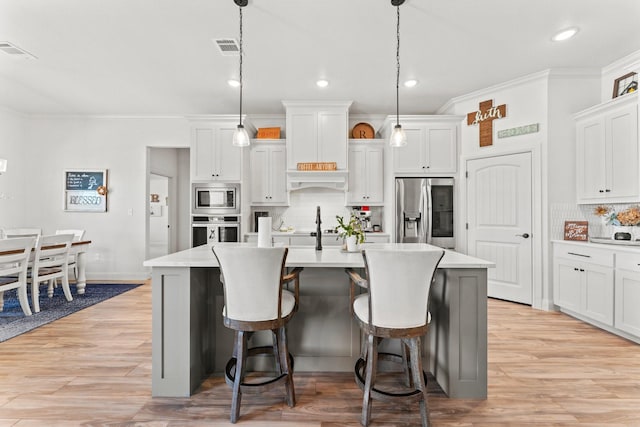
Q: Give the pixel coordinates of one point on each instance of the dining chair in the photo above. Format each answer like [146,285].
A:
[395,306]
[21,232]
[14,262]
[50,262]
[254,300]
[78,235]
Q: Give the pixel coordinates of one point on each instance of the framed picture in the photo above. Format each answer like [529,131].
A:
[576,230]
[625,84]
[85,190]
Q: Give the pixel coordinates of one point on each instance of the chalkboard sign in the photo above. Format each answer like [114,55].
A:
[85,190]
[576,230]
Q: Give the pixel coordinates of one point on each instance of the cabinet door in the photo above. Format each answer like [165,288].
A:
[627,301]
[277,175]
[374,175]
[591,154]
[622,153]
[259,174]
[202,154]
[441,149]
[357,175]
[410,158]
[566,285]
[332,138]
[228,161]
[301,138]
[597,295]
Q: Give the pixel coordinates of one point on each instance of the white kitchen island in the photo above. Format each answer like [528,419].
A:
[189,341]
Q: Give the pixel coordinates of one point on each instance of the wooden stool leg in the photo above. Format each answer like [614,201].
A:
[370,378]
[241,358]
[406,363]
[276,350]
[418,378]
[285,362]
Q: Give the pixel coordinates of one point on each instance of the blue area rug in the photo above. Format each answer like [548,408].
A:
[13,322]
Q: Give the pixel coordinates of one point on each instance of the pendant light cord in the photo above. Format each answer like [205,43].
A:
[397,67]
[240,118]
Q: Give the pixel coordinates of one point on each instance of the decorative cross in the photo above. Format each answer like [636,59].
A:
[485,116]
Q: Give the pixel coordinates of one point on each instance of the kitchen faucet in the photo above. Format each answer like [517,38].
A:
[318,230]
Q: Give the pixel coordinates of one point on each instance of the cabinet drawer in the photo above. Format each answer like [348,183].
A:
[585,254]
[628,261]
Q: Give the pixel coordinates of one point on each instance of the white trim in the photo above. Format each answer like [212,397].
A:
[630,62]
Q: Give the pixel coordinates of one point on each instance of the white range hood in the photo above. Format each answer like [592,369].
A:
[335,180]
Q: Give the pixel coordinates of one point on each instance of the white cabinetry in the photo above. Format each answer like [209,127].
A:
[627,292]
[583,282]
[607,152]
[317,132]
[432,144]
[366,173]
[268,173]
[213,157]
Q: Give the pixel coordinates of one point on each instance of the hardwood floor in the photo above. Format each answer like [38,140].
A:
[94,368]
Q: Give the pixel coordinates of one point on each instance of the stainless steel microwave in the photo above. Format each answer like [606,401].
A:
[215,198]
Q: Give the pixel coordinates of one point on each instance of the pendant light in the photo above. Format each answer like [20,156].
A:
[398,137]
[240,136]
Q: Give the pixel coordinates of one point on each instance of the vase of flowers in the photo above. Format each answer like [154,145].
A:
[350,231]
[624,222]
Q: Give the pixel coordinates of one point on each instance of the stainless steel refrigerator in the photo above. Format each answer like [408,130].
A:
[424,211]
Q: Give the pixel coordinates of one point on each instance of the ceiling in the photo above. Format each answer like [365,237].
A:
[158,57]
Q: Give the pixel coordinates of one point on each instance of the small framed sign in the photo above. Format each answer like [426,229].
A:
[576,230]
[85,190]
[625,84]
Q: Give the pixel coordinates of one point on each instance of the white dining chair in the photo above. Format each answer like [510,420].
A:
[50,262]
[14,262]
[78,235]
[21,232]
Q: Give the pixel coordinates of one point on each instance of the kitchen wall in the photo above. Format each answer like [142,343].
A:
[12,182]
[44,147]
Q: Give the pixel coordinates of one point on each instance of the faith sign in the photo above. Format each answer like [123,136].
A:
[484,117]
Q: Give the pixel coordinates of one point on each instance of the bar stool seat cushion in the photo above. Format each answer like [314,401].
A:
[288,304]
[361,310]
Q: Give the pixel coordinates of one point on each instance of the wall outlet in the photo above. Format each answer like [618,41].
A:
[130,212]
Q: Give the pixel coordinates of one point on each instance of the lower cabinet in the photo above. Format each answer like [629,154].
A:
[584,288]
[599,285]
[627,291]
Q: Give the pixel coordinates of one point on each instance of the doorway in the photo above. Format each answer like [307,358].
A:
[159,215]
[499,221]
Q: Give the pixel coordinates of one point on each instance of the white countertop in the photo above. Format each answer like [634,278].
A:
[307,256]
[308,233]
[618,247]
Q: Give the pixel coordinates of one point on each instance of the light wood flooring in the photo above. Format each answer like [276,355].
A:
[94,368]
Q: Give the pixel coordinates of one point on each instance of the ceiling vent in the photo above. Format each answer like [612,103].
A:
[228,47]
[15,51]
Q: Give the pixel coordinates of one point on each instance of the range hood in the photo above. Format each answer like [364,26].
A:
[335,180]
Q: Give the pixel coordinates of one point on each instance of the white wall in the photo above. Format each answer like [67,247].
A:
[12,182]
[53,144]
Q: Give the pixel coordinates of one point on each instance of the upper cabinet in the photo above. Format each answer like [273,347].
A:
[317,132]
[213,156]
[607,152]
[366,172]
[432,144]
[268,173]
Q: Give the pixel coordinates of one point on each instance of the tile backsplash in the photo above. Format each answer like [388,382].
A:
[301,214]
[561,212]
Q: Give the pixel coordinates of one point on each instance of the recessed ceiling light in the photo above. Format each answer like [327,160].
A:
[410,83]
[322,83]
[233,83]
[565,34]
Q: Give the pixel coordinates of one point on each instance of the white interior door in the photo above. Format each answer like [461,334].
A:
[499,211]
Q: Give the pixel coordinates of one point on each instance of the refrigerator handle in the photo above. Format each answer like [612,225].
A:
[427,212]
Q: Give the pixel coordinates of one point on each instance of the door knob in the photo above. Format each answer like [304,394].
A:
[525,235]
